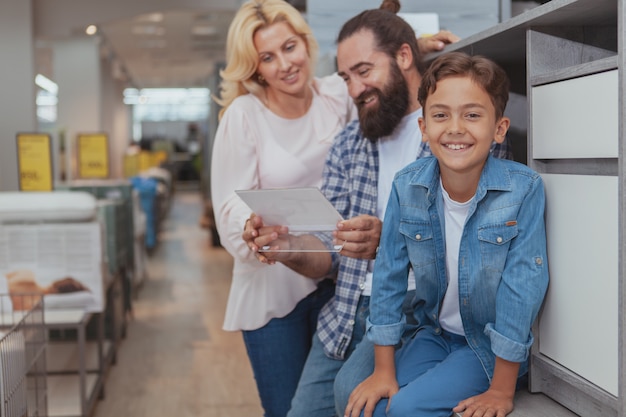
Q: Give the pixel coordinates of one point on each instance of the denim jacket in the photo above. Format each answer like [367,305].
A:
[503,271]
[351,185]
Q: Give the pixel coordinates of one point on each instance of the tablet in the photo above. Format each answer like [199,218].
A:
[302,210]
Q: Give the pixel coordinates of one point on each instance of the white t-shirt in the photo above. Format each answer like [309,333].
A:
[454,214]
[254,148]
[394,153]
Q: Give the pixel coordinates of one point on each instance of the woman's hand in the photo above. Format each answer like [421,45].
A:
[257,235]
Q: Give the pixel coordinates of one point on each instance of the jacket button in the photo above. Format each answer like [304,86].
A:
[499,239]
[538,261]
[418,237]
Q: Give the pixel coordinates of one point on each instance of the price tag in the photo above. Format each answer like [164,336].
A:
[93,155]
[34,155]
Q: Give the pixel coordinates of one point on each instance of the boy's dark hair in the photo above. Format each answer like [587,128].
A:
[483,71]
[390,31]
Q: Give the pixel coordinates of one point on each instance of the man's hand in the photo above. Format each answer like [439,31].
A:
[436,42]
[361,235]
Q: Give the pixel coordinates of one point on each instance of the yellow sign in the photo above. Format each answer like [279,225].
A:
[93,155]
[158,157]
[145,160]
[34,156]
[131,165]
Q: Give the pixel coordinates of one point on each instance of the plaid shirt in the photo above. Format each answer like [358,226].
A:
[350,182]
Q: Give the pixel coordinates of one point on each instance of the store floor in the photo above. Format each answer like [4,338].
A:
[176,360]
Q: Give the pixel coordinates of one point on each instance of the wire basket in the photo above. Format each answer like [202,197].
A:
[23,390]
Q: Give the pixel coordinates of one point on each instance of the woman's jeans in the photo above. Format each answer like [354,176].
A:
[278,350]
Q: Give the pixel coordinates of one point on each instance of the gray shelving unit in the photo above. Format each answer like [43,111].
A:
[566,60]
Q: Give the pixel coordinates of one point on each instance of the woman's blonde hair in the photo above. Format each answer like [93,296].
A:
[239,77]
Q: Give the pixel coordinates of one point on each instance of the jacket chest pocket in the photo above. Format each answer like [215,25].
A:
[420,242]
[494,245]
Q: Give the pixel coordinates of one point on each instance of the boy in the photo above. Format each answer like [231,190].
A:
[472,229]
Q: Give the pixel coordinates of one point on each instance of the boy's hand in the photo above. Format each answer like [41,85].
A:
[491,403]
[361,235]
[367,394]
[497,401]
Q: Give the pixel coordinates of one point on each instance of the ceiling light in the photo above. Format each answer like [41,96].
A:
[47,84]
[151,17]
[43,100]
[152,43]
[148,30]
[91,30]
[203,30]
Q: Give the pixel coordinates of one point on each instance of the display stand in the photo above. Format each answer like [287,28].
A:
[116,210]
[53,245]
[76,368]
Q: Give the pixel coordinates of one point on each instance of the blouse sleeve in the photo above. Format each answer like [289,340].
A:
[234,166]
[334,89]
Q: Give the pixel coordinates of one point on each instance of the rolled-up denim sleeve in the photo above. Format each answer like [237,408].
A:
[384,334]
[507,348]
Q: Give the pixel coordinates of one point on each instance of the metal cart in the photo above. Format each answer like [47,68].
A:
[23,388]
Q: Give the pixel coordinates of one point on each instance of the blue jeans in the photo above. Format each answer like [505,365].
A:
[314,396]
[434,373]
[356,368]
[278,350]
[360,364]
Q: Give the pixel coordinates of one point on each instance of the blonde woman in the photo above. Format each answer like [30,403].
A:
[276,126]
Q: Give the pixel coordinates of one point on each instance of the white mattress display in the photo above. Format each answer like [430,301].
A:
[62,262]
[47,207]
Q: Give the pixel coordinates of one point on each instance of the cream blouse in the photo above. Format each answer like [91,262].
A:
[254,148]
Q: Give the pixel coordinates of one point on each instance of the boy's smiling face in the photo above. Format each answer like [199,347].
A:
[459,124]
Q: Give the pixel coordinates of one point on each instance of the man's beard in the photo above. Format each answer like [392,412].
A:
[393,102]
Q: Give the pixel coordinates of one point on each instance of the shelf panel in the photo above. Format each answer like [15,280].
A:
[581,70]
[65,317]
[583,259]
[507,41]
[63,398]
[63,356]
[559,112]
